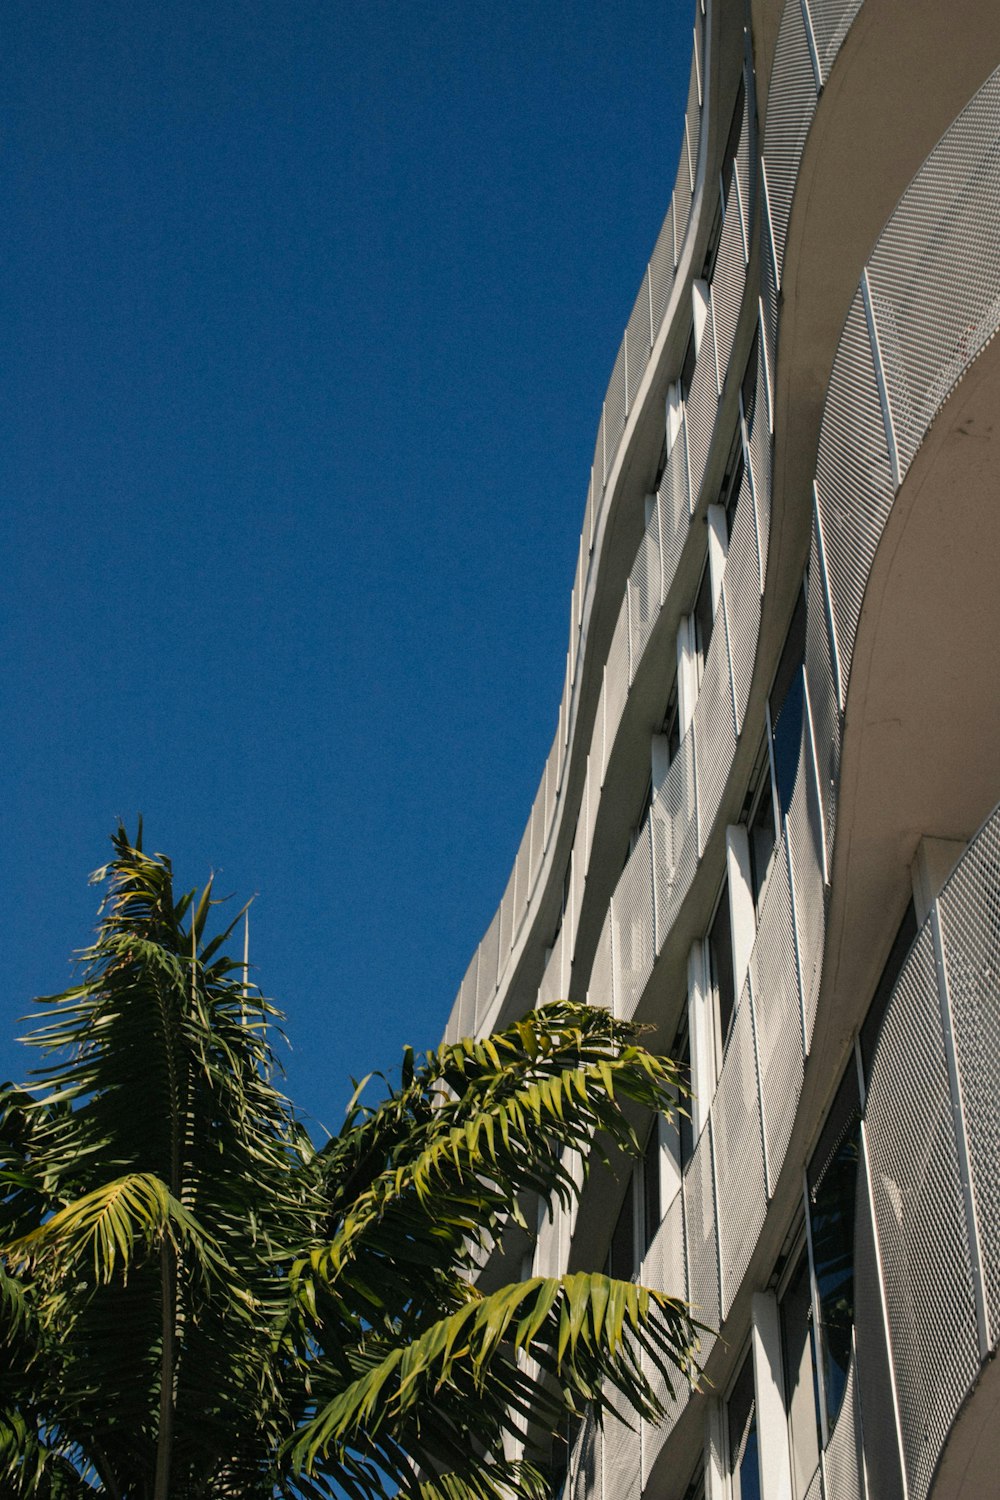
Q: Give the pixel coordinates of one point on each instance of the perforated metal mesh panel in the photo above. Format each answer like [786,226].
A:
[760,463]
[729,281]
[675,836]
[700,410]
[873,1376]
[742,591]
[622,1451]
[692,125]
[745,173]
[935,273]
[467,999]
[714,730]
[616,682]
[700,1233]
[823,700]
[739,1154]
[486,982]
[831,20]
[844,1467]
[970,922]
[853,477]
[614,409]
[521,880]
[633,927]
[588,1483]
[815,1490]
[588,809]
[600,991]
[664,1268]
[681,205]
[807,887]
[920,1217]
[790,107]
[600,466]
[644,591]
[538,830]
[661,270]
[551,987]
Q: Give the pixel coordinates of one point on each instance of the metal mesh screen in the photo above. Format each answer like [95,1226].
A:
[775,985]
[700,409]
[760,464]
[588,808]
[700,1235]
[538,832]
[729,281]
[600,991]
[664,1268]
[622,1451]
[739,1154]
[633,919]
[935,273]
[467,999]
[742,591]
[873,1375]
[644,592]
[600,468]
[844,1466]
[486,982]
[831,20]
[588,1483]
[853,477]
[714,731]
[616,683]
[920,1217]
[521,880]
[807,888]
[970,923]
[675,836]
[661,270]
[790,108]
[681,205]
[551,987]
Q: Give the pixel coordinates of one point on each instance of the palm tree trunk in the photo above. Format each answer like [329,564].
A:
[165,1435]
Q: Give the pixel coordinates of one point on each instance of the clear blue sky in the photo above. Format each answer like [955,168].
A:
[307,311]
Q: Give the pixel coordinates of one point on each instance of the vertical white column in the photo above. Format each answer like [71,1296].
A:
[772,1423]
[700,295]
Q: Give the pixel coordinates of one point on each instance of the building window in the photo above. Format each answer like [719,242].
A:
[687,368]
[748,388]
[621,1256]
[762,825]
[671,728]
[741,1423]
[801,1390]
[651,1208]
[732,482]
[832,1178]
[784,708]
[719,944]
[681,1054]
[901,945]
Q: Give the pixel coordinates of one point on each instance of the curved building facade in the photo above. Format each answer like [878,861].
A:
[768,825]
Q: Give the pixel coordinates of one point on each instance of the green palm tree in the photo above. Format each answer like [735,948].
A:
[196,1301]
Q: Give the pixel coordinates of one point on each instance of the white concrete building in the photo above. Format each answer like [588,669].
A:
[767,825]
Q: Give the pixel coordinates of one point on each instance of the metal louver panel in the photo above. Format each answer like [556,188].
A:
[521,881]
[790,107]
[854,482]
[614,410]
[675,836]
[729,281]
[506,922]
[633,927]
[681,205]
[970,922]
[739,1154]
[537,827]
[714,731]
[622,1455]
[486,982]
[872,1372]
[742,591]
[831,21]
[638,340]
[807,885]
[700,411]
[588,1482]
[674,516]
[467,999]
[775,984]
[920,1217]
[661,271]
[823,701]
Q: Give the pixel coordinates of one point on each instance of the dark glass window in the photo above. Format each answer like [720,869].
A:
[785,704]
[744,1465]
[801,1393]
[733,140]
[651,1184]
[687,368]
[832,1177]
[901,945]
[732,480]
[749,386]
[762,836]
[704,614]
[685,1124]
[720,951]
[672,723]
